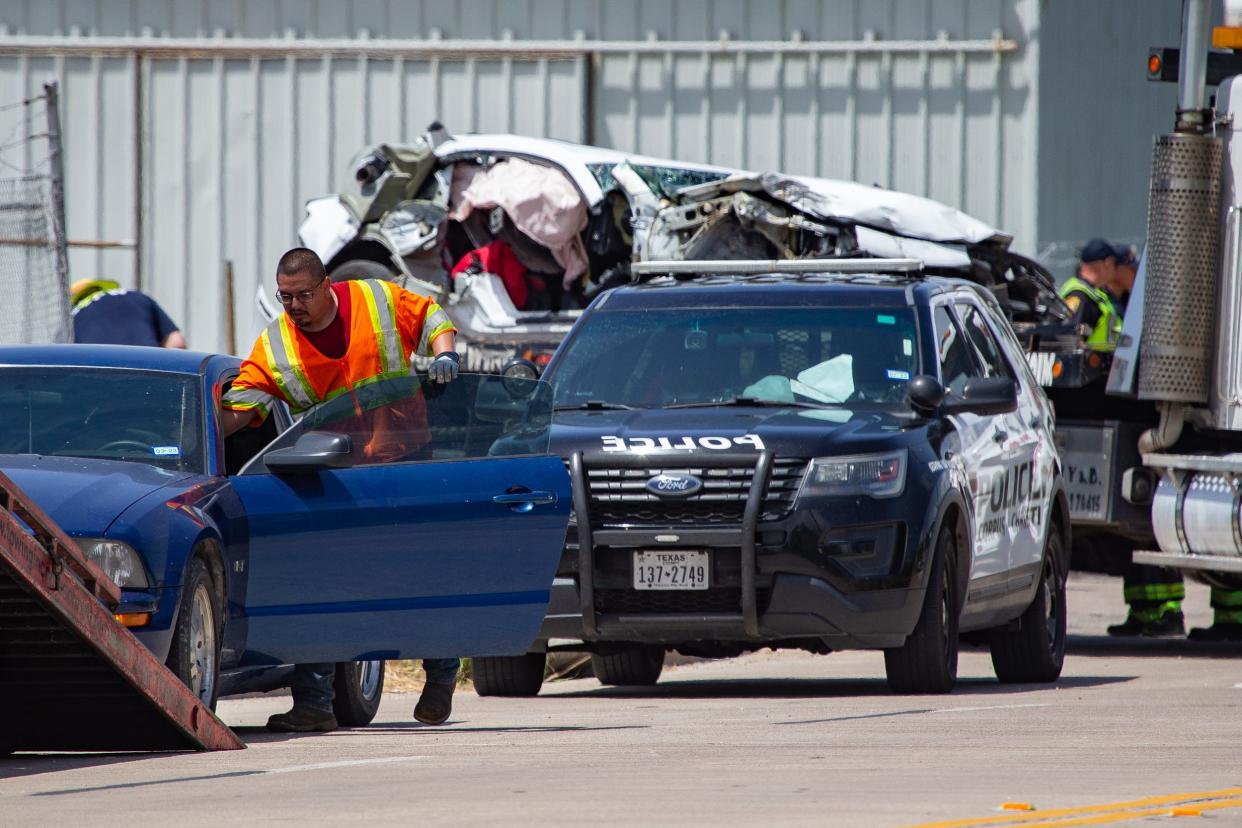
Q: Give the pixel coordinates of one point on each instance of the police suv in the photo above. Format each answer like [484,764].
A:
[815,455]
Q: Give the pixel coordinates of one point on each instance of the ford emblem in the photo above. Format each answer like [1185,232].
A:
[674,485]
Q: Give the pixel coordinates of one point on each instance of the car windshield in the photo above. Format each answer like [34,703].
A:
[825,356]
[147,417]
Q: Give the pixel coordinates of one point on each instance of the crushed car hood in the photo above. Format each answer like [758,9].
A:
[84,496]
[900,213]
[725,431]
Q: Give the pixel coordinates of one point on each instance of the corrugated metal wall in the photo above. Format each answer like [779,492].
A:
[204,158]
[1095,144]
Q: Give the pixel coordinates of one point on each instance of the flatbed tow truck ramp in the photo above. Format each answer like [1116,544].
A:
[72,677]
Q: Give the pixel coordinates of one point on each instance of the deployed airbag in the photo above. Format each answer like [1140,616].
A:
[540,201]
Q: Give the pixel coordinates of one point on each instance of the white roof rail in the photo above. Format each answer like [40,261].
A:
[748,267]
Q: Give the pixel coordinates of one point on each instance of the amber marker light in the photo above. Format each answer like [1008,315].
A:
[1227,37]
[134,619]
[1153,65]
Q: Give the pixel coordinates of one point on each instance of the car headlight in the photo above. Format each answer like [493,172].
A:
[877,475]
[118,561]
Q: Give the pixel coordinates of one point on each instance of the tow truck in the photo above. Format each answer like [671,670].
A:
[1182,352]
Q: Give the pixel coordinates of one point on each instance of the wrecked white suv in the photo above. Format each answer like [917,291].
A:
[514,236]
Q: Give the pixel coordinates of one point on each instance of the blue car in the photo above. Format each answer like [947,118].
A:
[404,521]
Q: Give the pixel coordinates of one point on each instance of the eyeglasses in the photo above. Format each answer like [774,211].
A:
[303,296]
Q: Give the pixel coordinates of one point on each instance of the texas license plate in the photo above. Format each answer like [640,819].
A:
[671,570]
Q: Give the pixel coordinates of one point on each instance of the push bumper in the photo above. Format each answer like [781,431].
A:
[849,575]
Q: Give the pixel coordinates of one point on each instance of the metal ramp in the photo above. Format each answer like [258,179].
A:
[72,678]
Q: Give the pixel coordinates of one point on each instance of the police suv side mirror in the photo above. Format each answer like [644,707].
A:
[983,396]
[925,394]
[313,451]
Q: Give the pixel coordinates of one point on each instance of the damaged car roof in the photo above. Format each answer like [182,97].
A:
[897,213]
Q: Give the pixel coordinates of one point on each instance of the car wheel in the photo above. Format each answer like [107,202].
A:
[639,665]
[1034,649]
[509,675]
[359,687]
[362,269]
[927,662]
[195,652]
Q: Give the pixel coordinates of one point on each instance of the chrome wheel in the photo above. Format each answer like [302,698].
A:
[369,674]
[1050,606]
[202,645]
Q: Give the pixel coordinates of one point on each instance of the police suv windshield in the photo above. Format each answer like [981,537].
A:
[825,356]
[108,413]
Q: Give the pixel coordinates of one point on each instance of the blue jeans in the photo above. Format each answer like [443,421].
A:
[312,684]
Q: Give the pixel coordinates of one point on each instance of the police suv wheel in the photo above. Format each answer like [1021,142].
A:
[927,662]
[1033,650]
[513,676]
[636,666]
[359,689]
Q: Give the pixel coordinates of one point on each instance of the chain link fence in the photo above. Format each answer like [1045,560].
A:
[34,273]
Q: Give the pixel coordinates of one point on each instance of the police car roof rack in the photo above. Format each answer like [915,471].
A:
[722,267]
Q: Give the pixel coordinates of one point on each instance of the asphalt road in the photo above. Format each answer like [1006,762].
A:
[1132,730]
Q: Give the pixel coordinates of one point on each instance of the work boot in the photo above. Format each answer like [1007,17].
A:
[303,719]
[1169,625]
[1218,633]
[435,704]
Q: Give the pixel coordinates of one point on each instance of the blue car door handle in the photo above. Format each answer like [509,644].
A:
[521,499]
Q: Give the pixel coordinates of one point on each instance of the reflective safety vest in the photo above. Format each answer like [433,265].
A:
[1107,331]
[386,325]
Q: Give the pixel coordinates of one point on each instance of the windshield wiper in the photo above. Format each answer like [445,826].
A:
[752,402]
[594,405]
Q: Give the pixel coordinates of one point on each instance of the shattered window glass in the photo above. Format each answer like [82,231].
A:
[603,176]
[666,181]
[663,181]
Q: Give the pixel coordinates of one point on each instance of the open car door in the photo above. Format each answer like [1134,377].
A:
[405,520]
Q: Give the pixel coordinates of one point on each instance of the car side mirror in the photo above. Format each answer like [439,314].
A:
[313,451]
[983,396]
[520,368]
[925,394]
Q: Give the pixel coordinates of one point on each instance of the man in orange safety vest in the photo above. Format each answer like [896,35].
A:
[334,339]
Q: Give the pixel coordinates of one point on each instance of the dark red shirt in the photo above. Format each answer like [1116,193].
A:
[333,341]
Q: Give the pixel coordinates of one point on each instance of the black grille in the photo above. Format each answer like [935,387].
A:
[619,496]
[671,513]
[787,474]
[635,602]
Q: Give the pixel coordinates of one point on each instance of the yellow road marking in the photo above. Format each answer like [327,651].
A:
[1126,816]
[1110,812]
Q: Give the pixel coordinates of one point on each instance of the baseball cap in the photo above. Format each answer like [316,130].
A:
[1097,250]
[1125,255]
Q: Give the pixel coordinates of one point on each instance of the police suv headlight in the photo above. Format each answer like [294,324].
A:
[118,561]
[876,475]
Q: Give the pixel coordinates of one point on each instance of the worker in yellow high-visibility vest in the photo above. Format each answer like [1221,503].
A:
[1098,296]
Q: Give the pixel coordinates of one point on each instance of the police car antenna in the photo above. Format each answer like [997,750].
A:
[751,267]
